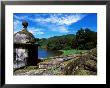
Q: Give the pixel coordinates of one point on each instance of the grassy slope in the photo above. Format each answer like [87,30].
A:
[73,51]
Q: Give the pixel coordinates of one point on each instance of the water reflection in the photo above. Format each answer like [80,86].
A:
[43,53]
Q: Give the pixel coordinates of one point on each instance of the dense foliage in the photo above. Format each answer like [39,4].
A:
[57,42]
[60,42]
[84,39]
[42,42]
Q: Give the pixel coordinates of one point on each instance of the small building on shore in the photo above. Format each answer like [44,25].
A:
[25,48]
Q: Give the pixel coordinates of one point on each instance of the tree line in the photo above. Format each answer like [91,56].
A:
[84,39]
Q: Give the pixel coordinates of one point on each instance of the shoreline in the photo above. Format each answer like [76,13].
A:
[65,53]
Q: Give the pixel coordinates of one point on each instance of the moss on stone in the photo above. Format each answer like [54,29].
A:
[82,72]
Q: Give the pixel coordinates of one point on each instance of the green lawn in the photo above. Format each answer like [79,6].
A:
[69,52]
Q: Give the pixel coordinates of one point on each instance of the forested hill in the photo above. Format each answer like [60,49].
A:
[57,42]
[84,39]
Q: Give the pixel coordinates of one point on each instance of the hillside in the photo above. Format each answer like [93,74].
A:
[56,41]
[84,39]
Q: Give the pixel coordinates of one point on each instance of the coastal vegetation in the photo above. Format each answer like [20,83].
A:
[84,39]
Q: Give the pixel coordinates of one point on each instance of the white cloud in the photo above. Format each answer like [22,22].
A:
[61,29]
[35,31]
[40,32]
[16,22]
[54,22]
[61,19]
[16,25]
[20,17]
[15,32]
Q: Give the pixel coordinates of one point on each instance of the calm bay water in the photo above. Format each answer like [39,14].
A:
[43,53]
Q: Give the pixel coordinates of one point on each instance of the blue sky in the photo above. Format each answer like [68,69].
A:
[45,25]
